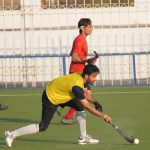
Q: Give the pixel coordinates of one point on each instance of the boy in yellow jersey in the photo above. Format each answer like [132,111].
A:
[67,90]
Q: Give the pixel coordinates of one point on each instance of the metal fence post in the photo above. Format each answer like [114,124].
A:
[64,65]
[134,69]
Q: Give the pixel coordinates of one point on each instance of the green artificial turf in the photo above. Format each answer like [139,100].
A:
[129,108]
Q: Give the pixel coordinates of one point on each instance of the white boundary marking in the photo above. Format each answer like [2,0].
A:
[9,95]
[136,92]
[95,93]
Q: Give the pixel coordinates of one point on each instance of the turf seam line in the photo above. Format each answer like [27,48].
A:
[95,93]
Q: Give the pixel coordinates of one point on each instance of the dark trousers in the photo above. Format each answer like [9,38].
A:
[49,109]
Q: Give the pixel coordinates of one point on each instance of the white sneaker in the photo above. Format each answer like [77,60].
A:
[87,140]
[9,138]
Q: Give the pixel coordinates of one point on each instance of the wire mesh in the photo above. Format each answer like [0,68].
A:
[48,27]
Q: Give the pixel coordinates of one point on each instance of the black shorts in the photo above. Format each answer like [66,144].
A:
[49,109]
[73,103]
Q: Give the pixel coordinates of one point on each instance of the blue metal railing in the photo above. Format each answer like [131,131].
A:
[64,62]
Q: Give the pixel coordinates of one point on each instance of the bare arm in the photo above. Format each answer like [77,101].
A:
[88,96]
[76,58]
[93,111]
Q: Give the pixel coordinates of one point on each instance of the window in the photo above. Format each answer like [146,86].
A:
[10,5]
[53,4]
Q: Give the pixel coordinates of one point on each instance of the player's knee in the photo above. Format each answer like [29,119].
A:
[42,128]
[79,107]
[81,114]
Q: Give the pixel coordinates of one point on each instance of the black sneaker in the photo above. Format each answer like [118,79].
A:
[3,107]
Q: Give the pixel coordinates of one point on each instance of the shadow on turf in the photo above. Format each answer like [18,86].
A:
[61,141]
[47,141]
[18,120]
[2,143]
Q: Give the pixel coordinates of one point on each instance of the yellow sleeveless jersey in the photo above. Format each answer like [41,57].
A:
[60,89]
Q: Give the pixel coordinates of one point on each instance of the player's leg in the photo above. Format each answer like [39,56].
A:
[70,113]
[81,120]
[68,118]
[11,135]
[81,116]
[48,111]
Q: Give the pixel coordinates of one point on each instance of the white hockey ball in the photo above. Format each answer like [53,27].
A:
[136,141]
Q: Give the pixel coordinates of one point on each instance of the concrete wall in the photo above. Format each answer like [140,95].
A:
[33,30]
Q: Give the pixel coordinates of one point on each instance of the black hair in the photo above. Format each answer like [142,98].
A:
[89,69]
[84,22]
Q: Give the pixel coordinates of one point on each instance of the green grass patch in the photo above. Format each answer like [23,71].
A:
[128,106]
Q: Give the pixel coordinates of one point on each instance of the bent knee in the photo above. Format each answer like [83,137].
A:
[42,128]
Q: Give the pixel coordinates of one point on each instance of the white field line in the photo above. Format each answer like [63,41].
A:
[7,95]
[136,92]
[95,93]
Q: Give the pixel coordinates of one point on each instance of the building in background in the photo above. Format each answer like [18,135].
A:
[32,31]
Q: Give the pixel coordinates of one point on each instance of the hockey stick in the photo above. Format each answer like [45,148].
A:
[96,54]
[130,139]
[127,138]
[91,60]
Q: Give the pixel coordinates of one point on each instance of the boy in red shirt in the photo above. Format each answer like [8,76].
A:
[79,58]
